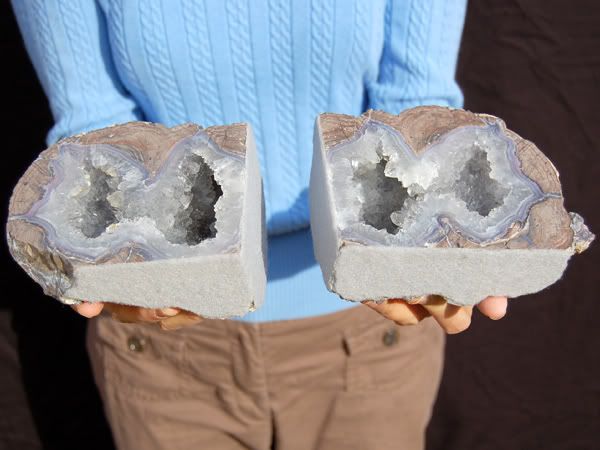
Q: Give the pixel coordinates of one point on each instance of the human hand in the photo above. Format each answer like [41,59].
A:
[167,318]
[453,319]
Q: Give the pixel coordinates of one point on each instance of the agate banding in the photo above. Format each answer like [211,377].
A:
[436,193]
[141,195]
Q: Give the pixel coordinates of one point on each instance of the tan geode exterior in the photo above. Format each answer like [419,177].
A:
[148,143]
[548,223]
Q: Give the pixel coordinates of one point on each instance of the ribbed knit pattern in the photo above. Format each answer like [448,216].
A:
[44,41]
[321,52]
[201,57]
[155,37]
[273,63]
[416,48]
[79,43]
[245,82]
[121,54]
[358,53]
[282,58]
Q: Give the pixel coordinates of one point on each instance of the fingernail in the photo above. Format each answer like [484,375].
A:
[166,312]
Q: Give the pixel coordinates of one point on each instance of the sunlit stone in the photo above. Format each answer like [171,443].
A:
[435,201]
[145,215]
[470,178]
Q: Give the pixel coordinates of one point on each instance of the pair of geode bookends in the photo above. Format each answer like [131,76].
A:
[432,201]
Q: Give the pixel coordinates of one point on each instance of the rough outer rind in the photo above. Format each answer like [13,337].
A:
[72,280]
[529,257]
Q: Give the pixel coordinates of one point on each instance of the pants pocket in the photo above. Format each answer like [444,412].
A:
[383,355]
[137,358]
[392,377]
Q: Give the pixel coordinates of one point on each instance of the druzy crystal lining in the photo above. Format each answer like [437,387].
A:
[102,199]
[468,180]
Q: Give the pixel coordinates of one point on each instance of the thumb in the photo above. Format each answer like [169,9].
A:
[87,309]
[493,307]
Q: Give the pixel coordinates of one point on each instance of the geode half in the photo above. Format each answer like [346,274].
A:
[436,201]
[145,215]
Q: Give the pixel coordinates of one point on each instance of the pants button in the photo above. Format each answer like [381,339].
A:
[390,337]
[136,344]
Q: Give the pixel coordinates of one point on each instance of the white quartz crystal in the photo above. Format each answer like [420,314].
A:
[436,201]
[143,215]
[469,180]
[102,199]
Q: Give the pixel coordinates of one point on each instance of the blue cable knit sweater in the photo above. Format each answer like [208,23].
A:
[273,63]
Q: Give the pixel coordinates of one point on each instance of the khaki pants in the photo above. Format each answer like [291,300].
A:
[348,380]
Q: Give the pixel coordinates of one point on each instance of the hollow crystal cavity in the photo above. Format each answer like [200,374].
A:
[102,199]
[468,180]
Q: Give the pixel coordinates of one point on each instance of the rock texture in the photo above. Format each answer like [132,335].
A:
[145,215]
[436,201]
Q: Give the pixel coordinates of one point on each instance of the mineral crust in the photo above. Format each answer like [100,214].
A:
[436,201]
[145,215]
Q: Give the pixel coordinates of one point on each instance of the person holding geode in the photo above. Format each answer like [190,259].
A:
[307,370]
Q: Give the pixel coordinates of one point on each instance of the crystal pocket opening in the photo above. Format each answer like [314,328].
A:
[468,180]
[102,197]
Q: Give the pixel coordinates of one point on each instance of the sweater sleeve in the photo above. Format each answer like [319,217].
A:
[67,43]
[418,62]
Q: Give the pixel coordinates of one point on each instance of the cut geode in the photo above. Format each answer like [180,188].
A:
[436,201]
[146,215]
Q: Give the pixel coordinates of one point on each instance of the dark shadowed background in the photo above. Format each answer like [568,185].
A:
[532,380]
[529,381]
[46,390]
